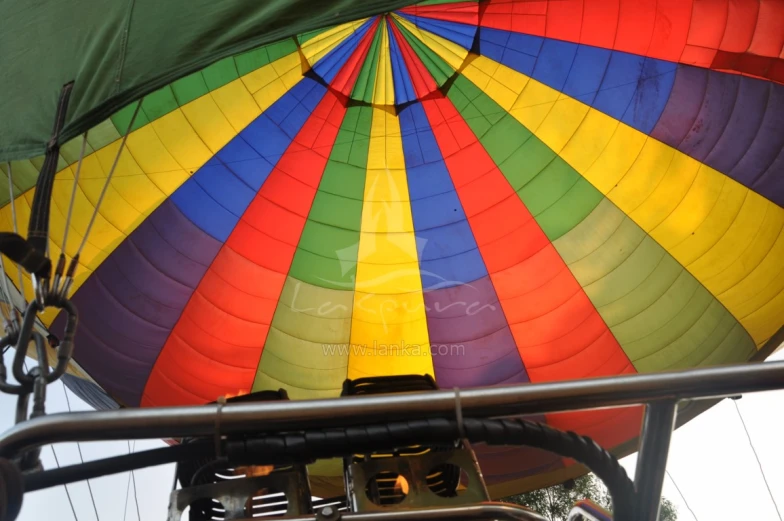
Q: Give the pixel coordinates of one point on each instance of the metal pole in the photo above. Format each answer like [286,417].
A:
[485,511]
[657,428]
[174,422]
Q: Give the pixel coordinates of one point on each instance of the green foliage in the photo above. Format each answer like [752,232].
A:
[554,503]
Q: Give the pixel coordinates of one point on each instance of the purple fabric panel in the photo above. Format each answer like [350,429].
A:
[730,122]
[471,342]
[771,183]
[720,95]
[762,165]
[742,128]
[130,304]
[681,110]
[500,464]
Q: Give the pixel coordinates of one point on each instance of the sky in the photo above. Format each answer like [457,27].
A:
[710,460]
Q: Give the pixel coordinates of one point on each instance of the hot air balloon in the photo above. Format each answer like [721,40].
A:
[489,193]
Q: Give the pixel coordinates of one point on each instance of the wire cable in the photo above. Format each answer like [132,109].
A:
[81,459]
[67,493]
[759,463]
[682,496]
[135,494]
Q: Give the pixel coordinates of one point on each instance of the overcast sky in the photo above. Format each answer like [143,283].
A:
[710,460]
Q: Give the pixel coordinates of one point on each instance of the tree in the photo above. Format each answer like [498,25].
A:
[554,503]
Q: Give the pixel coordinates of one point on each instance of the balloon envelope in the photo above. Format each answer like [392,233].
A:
[491,193]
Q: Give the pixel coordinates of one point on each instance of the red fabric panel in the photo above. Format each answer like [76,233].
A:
[562,24]
[736,36]
[600,23]
[671,29]
[215,347]
[741,23]
[769,34]
[520,17]
[558,332]
[635,26]
[460,12]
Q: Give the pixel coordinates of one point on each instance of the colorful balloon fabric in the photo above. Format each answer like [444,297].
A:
[496,192]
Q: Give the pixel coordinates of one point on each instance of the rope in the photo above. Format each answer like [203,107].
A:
[764,478]
[682,496]
[81,458]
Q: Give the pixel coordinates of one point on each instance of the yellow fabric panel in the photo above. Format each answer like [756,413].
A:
[727,236]
[237,104]
[158,158]
[318,46]
[450,52]
[272,81]
[388,324]
[384,88]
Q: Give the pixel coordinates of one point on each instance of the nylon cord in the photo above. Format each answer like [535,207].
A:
[109,178]
[759,463]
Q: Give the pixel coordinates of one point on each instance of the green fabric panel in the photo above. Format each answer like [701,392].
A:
[366,80]
[304,37]
[308,322]
[70,151]
[570,209]
[250,61]
[24,175]
[128,49]
[189,88]
[548,186]
[659,313]
[102,134]
[555,194]
[327,251]
[436,66]
[352,143]
[220,73]
[504,138]
[337,211]
[123,117]
[159,103]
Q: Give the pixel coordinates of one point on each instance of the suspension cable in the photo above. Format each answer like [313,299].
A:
[682,496]
[81,459]
[109,178]
[759,463]
[67,493]
[73,190]
[135,493]
[7,304]
[16,230]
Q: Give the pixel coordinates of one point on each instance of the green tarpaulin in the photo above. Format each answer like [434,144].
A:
[117,51]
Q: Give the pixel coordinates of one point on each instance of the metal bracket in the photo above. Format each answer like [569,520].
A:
[236,496]
[415,470]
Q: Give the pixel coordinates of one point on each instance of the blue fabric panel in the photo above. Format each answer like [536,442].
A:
[461,34]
